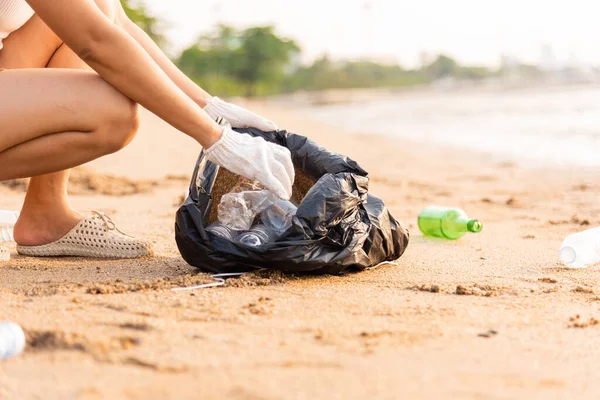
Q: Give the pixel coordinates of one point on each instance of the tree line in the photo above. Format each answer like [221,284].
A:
[257,61]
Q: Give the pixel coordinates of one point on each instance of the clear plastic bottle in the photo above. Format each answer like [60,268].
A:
[278,217]
[239,208]
[12,340]
[581,249]
[257,236]
[222,230]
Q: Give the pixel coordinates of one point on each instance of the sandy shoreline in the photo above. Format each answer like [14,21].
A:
[114,330]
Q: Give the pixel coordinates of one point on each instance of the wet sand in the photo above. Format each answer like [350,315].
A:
[491,316]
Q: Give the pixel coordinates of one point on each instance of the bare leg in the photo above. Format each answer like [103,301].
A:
[90,118]
[47,214]
[47,211]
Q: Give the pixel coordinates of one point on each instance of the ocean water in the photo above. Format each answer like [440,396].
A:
[557,125]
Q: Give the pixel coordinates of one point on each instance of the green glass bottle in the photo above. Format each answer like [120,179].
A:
[449,223]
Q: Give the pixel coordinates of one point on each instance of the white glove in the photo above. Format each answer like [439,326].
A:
[237,116]
[256,159]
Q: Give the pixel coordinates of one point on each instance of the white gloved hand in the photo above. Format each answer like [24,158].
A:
[237,116]
[256,159]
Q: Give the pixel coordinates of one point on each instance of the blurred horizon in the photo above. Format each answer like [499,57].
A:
[548,34]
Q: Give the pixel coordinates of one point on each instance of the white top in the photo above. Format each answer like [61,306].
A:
[13,15]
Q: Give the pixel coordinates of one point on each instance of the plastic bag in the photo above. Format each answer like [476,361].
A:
[338,227]
[238,209]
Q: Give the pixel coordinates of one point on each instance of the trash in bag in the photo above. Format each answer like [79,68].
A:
[220,229]
[238,209]
[258,235]
[279,216]
[338,225]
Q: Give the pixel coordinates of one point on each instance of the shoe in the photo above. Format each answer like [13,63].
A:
[95,236]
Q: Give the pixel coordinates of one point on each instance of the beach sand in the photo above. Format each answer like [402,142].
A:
[491,316]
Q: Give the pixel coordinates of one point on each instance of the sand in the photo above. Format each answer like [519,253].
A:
[491,316]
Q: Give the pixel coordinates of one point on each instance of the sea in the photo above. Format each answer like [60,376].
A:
[558,125]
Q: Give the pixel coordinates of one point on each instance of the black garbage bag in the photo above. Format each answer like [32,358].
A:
[339,227]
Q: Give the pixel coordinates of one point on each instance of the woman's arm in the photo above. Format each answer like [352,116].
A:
[118,58]
[195,92]
[121,61]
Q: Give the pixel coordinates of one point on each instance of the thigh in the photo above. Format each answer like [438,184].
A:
[37,102]
[32,46]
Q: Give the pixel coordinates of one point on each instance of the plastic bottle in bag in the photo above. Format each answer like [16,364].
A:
[278,217]
[222,230]
[238,209]
[257,236]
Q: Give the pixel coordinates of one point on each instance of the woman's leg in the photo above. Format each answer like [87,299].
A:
[46,194]
[47,202]
[47,214]
[53,120]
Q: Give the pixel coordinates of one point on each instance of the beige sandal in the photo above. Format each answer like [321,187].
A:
[94,236]
[4,254]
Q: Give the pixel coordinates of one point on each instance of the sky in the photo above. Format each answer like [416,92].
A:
[473,31]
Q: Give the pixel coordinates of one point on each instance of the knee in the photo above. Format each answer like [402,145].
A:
[119,128]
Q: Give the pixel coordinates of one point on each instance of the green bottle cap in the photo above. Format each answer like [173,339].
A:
[474,226]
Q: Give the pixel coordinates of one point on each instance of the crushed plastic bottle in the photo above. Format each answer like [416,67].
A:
[278,217]
[12,340]
[238,209]
[448,223]
[581,249]
[257,236]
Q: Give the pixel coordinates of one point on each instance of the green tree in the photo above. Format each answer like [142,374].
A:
[263,57]
[326,74]
[138,13]
[322,74]
[230,62]
[442,67]
[212,62]
[257,61]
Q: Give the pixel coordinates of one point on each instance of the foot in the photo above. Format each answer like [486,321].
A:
[39,228]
